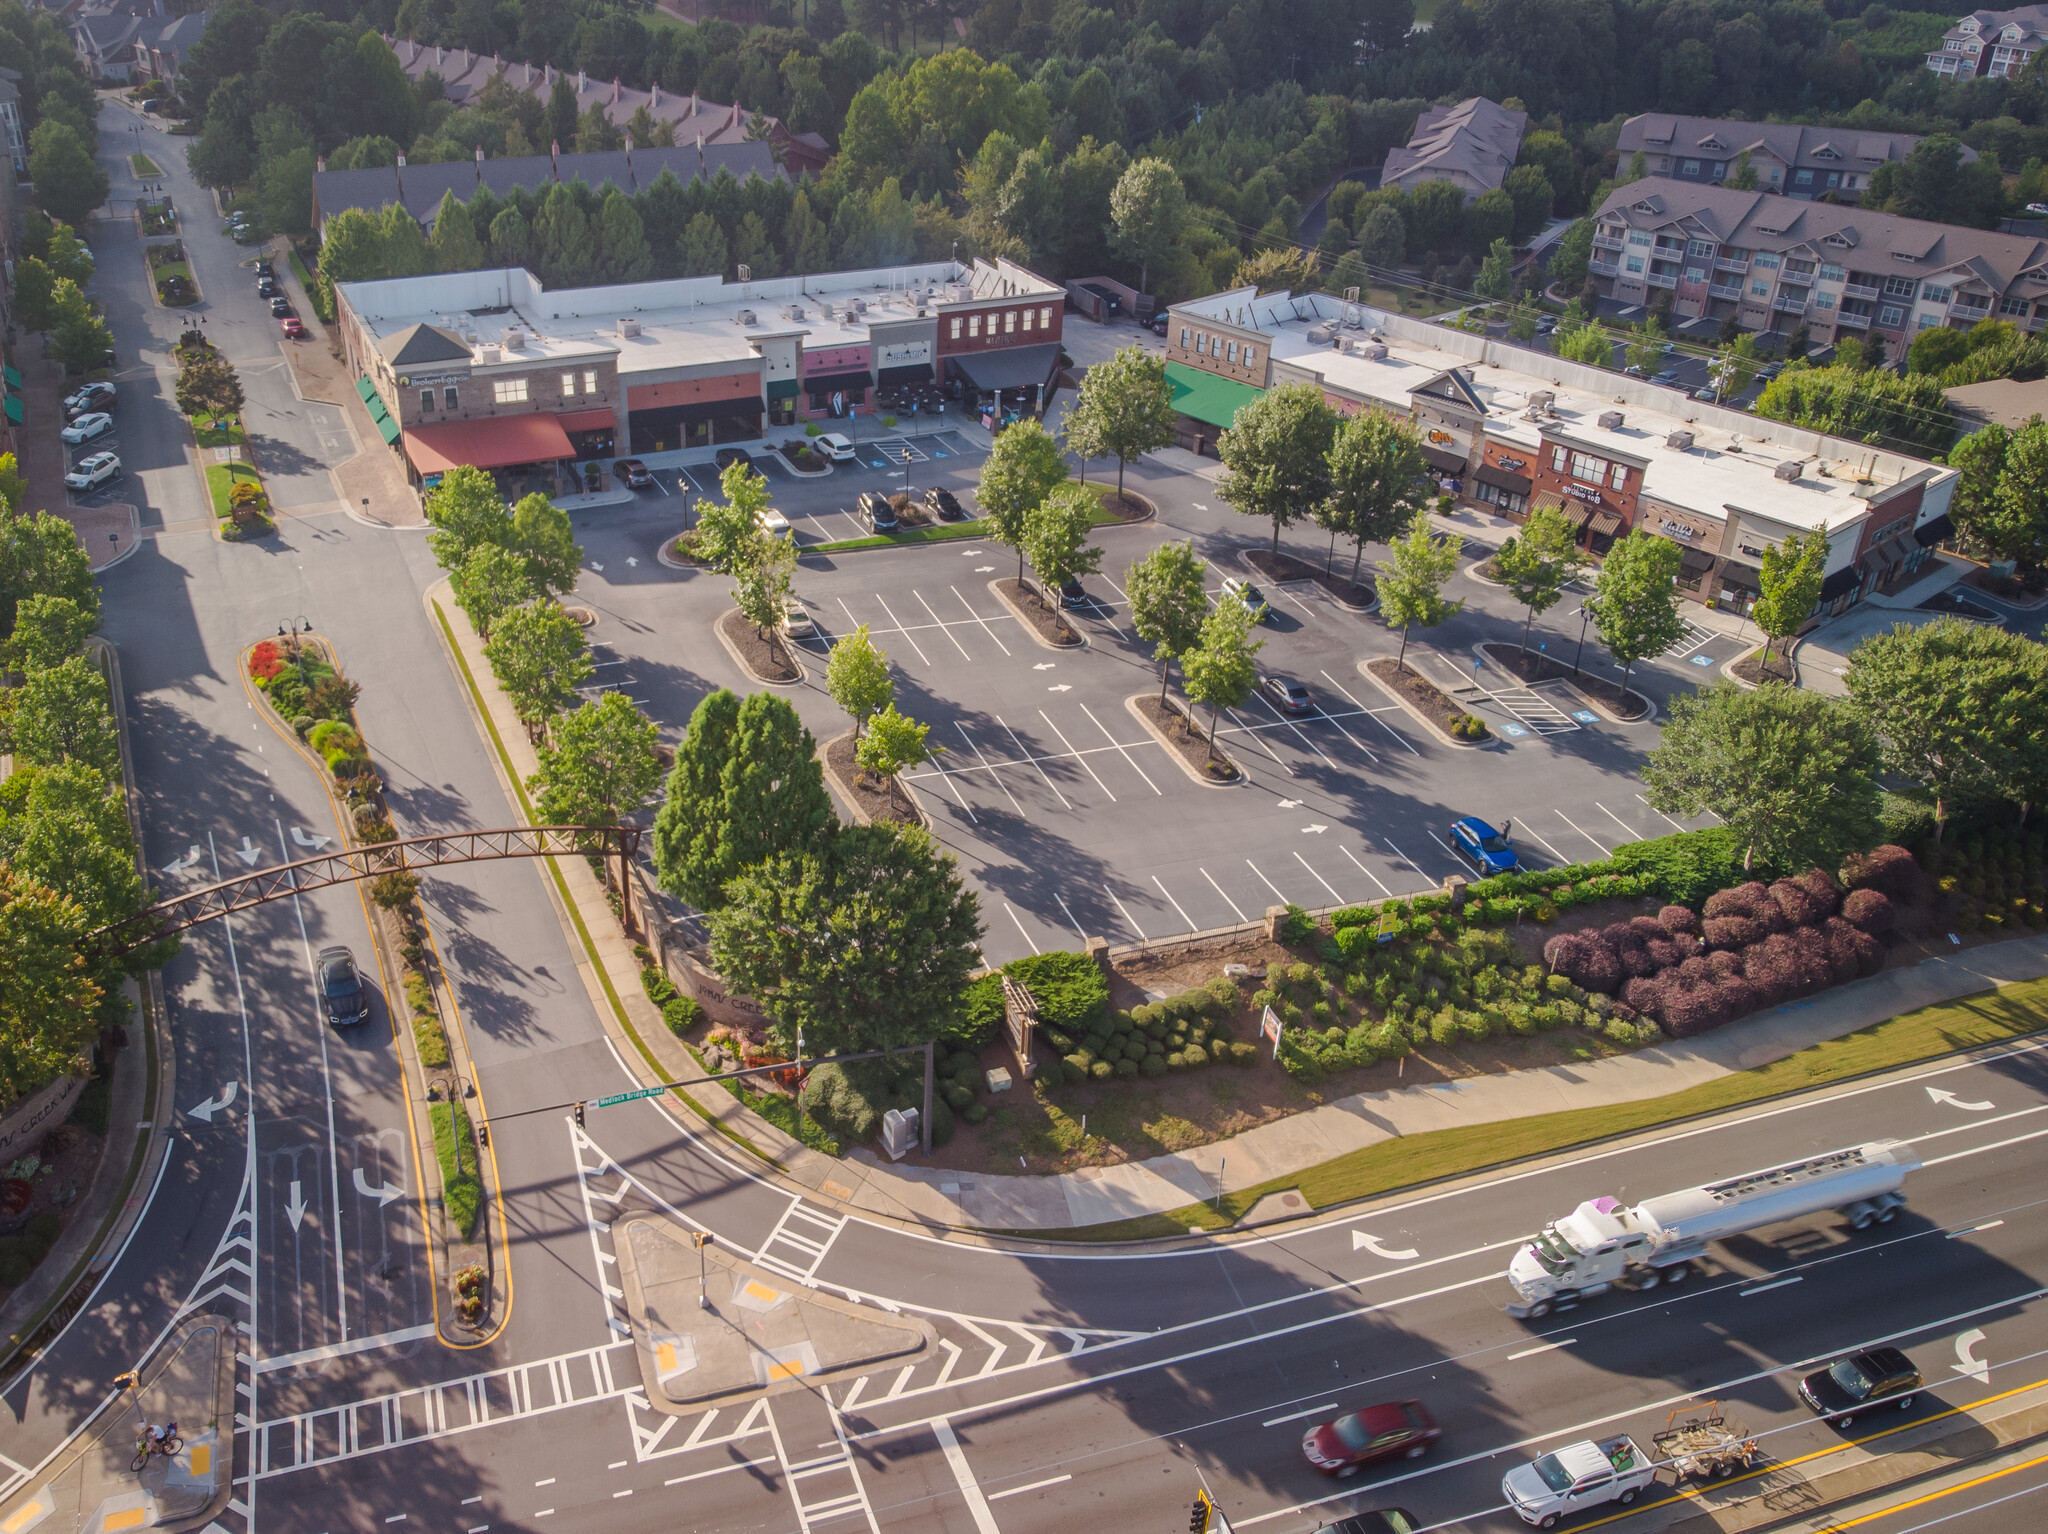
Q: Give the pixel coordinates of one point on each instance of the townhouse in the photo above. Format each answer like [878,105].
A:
[1471,145]
[1787,157]
[1991,44]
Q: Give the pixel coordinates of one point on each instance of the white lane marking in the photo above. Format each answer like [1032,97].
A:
[963,1476]
[1405,858]
[985,762]
[1076,755]
[1605,850]
[1366,871]
[1033,760]
[1175,903]
[1372,714]
[981,620]
[745,1464]
[907,639]
[1020,927]
[1296,1416]
[344,1349]
[1267,882]
[1294,727]
[1972,1230]
[1325,883]
[1219,890]
[1633,835]
[1257,739]
[1070,917]
[942,624]
[1120,748]
[1018,1491]
[1780,1283]
[1551,850]
[1127,914]
[1654,810]
[1547,1347]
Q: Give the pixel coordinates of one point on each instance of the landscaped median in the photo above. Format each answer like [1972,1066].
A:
[942,532]
[210,395]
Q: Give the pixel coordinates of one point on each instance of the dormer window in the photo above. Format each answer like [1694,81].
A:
[2012,34]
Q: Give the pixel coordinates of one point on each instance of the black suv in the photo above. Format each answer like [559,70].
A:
[873,508]
[1387,1520]
[943,504]
[342,991]
[1859,1383]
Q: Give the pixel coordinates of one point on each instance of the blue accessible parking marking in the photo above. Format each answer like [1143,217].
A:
[1512,729]
[1703,660]
[1585,716]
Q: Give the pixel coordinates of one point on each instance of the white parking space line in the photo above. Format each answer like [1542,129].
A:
[942,624]
[1018,1491]
[901,629]
[1605,852]
[1405,858]
[1453,851]
[1020,928]
[1550,849]
[1219,890]
[1253,732]
[1366,871]
[1331,720]
[1027,756]
[981,620]
[1294,727]
[1657,811]
[1325,883]
[1175,904]
[1267,882]
[1633,834]
[1372,715]
[947,778]
[1128,918]
[1076,755]
[1070,918]
[976,746]
[1121,748]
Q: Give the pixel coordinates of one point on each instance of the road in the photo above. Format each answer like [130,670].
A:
[1076,1387]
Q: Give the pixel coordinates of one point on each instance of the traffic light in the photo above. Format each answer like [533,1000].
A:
[579,1115]
[1198,1520]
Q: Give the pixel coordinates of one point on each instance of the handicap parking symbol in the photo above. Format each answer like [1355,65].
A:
[1703,660]
[939,452]
[1585,716]
[1512,729]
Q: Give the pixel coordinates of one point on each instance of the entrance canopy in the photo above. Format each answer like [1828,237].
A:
[1017,367]
[491,444]
[1205,397]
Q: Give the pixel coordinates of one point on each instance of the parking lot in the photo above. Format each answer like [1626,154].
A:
[1062,808]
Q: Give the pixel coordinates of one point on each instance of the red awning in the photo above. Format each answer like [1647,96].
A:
[587,420]
[489,444]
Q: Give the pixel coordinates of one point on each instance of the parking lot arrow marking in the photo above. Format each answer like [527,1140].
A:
[1045,665]
[1956,1102]
[248,852]
[1317,830]
[1361,1241]
[205,1111]
[972,554]
[179,865]
[983,569]
[1062,687]
[383,1194]
[1966,1361]
[632,561]
[315,842]
[1290,804]
[295,1207]
[597,567]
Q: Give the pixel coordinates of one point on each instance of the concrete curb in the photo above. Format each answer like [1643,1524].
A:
[1030,625]
[1648,716]
[1244,560]
[739,660]
[1131,704]
[1436,731]
[845,789]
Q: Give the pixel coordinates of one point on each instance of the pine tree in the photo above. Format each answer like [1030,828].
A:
[454,244]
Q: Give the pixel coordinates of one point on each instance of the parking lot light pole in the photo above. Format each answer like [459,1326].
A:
[1585,617]
[701,1239]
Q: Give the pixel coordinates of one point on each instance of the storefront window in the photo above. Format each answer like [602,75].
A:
[509,391]
[427,401]
[448,397]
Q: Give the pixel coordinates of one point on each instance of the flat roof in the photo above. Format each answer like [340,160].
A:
[684,322]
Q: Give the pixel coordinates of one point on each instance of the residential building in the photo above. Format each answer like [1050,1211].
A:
[1787,157]
[489,368]
[1509,429]
[420,187]
[131,41]
[1991,43]
[10,120]
[2007,402]
[1471,145]
[1775,263]
[696,121]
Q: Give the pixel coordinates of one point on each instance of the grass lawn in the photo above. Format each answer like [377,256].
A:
[207,436]
[221,479]
[1408,1160]
[312,285]
[462,1190]
[144,167]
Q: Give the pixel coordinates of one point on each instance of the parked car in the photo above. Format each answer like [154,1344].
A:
[1158,323]
[1668,378]
[1635,372]
[728,456]
[2038,209]
[266,287]
[874,511]
[632,473]
[294,328]
[92,471]
[773,522]
[797,621]
[1546,325]
[342,991]
[93,396]
[1850,1386]
[943,504]
[1286,694]
[1484,848]
[94,423]
[280,306]
[1385,1520]
[265,269]
[1073,595]
[1111,304]
[834,446]
[1392,1430]
[1248,594]
[1709,396]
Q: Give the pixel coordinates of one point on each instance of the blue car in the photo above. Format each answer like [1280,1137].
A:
[1483,847]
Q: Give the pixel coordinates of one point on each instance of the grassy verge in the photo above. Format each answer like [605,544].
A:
[315,294]
[2009,1012]
[144,167]
[221,479]
[208,435]
[462,1190]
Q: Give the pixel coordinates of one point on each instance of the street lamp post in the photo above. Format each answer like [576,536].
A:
[1585,617]
[701,1239]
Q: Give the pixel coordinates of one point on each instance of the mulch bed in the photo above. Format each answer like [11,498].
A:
[1286,567]
[1024,597]
[1751,667]
[1420,691]
[1127,506]
[875,798]
[1189,739]
[767,656]
[1535,666]
[2011,590]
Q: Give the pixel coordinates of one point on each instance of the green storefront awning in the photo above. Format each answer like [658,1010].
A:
[366,389]
[14,410]
[377,411]
[1215,401]
[13,378]
[387,429]
[782,388]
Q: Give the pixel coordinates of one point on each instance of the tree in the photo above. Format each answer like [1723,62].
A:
[600,765]
[61,715]
[726,532]
[1742,174]
[35,294]
[1125,407]
[1789,587]
[40,555]
[538,654]
[48,998]
[208,388]
[454,244]
[489,583]
[746,787]
[1169,603]
[79,338]
[1277,455]
[1147,211]
[1936,349]
[863,942]
[857,677]
[761,584]
[1412,581]
[703,248]
[1222,670]
[1646,346]
[1637,599]
[1533,197]
[1734,367]
[622,240]
[1538,563]
[894,741]
[465,512]
[1954,704]
[1021,470]
[1383,238]
[1056,541]
[1589,345]
[543,539]
[68,256]
[69,182]
[1792,773]
[48,631]
[1376,482]
[67,826]
[1496,279]
[2014,524]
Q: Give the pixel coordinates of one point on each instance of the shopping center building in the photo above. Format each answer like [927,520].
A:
[491,369]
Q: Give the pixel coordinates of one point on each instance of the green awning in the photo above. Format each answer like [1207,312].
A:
[14,410]
[1206,397]
[13,378]
[782,388]
[365,388]
[387,429]
[377,410]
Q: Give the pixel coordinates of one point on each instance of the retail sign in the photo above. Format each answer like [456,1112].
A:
[1677,531]
[839,402]
[424,380]
[1270,1027]
[903,354]
[1583,493]
[1442,438]
[1512,465]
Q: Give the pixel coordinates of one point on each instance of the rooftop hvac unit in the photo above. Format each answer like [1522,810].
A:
[744,317]
[1680,440]
[1373,351]
[1610,420]
[793,312]
[514,338]
[858,306]
[628,329]
[1321,335]
[1790,469]
[488,355]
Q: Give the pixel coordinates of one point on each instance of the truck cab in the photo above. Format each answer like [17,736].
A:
[1585,1253]
[1575,1477]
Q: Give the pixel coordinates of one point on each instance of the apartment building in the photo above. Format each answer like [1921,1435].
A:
[1991,44]
[1471,145]
[1787,157]
[1509,430]
[1775,263]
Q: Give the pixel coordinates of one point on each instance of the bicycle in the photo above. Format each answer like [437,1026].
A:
[148,1448]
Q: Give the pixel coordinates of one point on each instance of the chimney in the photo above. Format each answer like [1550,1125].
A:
[438,55]
[629,158]
[582,82]
[529,71]
[555,154]
[320,162]
[656,103]
[479,165]
[693,103]
[399,176]
[615,90]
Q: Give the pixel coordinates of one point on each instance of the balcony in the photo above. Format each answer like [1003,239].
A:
[1853,320]
[1972,308]
[1608,241]
[1603,268]
[1726,290]
[1858,290]
[1662,280]
[1789,303]
[1726,264]
[1803,279]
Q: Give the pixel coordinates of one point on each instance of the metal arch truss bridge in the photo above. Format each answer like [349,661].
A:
[167,917]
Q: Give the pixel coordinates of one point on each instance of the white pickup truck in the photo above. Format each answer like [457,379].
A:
[1576,1477]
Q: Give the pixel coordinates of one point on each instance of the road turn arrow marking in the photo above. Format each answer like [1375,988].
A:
[1966,1361]
[295,1206]
[1956,1102]
[383,1194]
[1063,687]
[1045,665]
[314,842]
[1361,1241]
[179,865]
[205,1111]
[248,852]
[1316,830]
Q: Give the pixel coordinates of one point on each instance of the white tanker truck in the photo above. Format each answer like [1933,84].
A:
[1603,1243]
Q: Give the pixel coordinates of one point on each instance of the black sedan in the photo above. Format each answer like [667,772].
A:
[728,456]
[280,307]
[342,992]
[1862,1382]
[633,473]
[944,505]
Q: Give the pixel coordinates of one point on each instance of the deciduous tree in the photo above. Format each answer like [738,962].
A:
[1412,580]
[68,180]
[1222,670]
[1277,454]
[857,678]
[464,512]
[489,583]
[1147,211]
[1538,563]
[599,767]
[545,542]
[1789,586]
[1021,470]
[726,531]
[1376,482]
[40,555]
[538,654]
[1169,603]
[894,741]
[61,715]
[1125,408]
[48,631]
[47,994]
[761,584]
[1056,540]
[1637,599]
